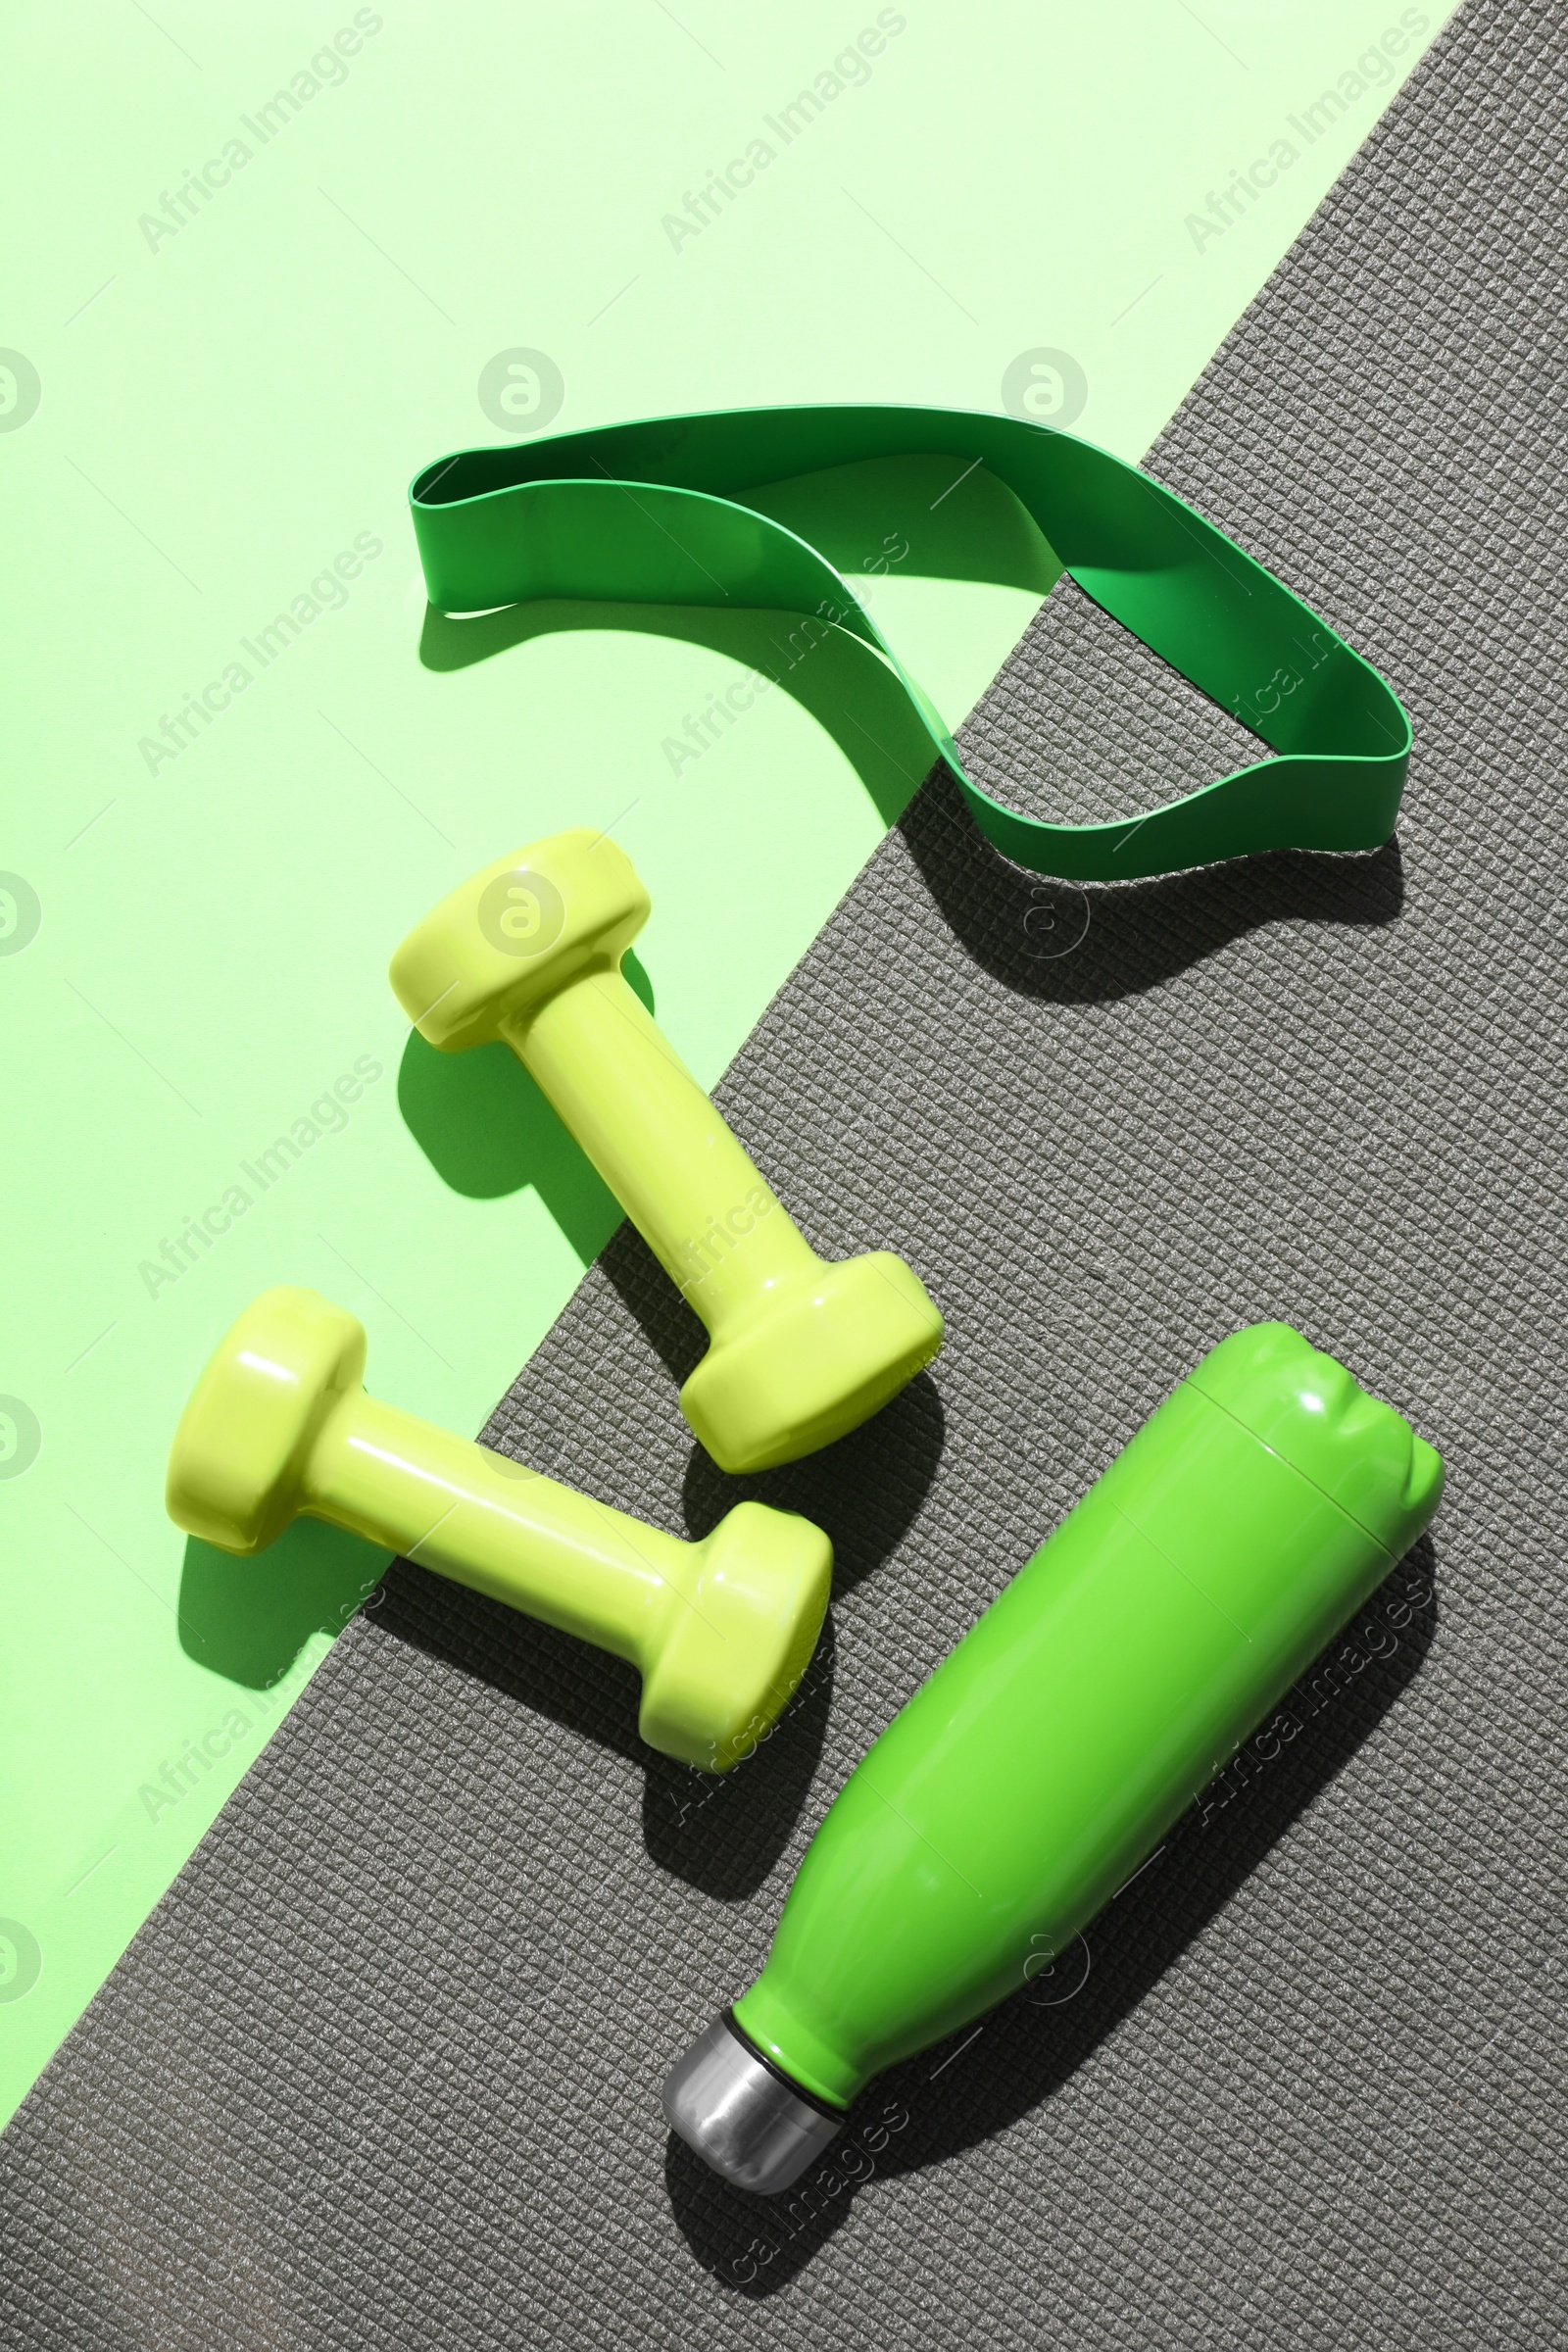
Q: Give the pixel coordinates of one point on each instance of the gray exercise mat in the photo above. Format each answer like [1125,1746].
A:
[383,2069]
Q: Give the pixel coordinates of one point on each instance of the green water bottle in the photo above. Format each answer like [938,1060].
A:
[1043,1761]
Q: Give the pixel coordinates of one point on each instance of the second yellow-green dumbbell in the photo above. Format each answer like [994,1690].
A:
[279,1423]
[529,950]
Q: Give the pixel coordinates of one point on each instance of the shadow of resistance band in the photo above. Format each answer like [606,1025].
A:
[654,514]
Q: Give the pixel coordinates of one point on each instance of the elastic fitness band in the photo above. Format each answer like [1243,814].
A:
[655,513]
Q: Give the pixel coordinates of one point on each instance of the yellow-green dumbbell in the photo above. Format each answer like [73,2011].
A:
[279,1424]
[529,950]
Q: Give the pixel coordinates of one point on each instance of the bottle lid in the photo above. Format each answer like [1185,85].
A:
[1307,1407]
[742,2115]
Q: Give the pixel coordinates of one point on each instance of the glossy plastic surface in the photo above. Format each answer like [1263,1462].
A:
[655,513]
[1047,1755]
[529,950]
[279,1424]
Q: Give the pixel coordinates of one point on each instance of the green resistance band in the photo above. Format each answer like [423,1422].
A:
[656,514]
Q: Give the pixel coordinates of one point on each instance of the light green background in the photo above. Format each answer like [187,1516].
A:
[224,409]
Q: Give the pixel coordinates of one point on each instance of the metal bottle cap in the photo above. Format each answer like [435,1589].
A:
[741,2117]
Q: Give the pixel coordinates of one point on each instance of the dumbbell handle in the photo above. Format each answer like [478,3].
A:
[520,1537]
[664,1152]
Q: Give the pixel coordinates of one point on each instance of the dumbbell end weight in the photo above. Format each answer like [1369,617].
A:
[237,1467]
[830,1351]
[734,1650]
[516,932]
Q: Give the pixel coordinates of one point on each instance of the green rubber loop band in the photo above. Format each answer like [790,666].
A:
[655,513]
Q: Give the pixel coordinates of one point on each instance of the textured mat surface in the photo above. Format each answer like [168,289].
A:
[383,2069]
